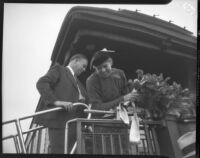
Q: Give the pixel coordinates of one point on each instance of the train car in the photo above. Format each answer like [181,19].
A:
[142,42]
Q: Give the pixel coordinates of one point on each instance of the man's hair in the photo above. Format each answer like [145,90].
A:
[76,56]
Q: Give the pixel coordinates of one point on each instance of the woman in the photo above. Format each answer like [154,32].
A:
[107,86]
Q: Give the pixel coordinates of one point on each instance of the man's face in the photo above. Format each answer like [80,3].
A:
[81,65]
[104,69]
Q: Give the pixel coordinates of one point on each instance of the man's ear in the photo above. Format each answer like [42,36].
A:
[76,60]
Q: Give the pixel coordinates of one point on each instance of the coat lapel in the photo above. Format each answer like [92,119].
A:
[81,87]
[71,77]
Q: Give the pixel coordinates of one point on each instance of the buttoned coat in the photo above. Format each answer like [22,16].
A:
[58,84]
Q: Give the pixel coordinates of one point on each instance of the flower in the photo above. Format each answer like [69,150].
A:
[159,97]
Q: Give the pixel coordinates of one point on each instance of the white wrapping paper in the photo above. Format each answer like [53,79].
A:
[134,135]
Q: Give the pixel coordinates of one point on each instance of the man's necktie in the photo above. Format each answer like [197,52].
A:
[81,97]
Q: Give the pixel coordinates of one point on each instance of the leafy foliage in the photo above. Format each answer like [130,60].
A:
[161,98]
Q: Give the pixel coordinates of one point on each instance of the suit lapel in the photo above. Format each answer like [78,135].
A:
[71,77]
[82,89]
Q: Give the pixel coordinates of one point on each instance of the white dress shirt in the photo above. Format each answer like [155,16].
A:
[73,74]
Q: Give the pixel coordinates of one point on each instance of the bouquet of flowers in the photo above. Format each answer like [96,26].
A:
[159,97]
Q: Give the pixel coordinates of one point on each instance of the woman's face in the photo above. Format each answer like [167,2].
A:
[104,69]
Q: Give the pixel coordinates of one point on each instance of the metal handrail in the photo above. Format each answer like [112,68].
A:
[99,111]
[42,112]
[89,111]
[144,123]
[25,132]
[20,133]
[18,125]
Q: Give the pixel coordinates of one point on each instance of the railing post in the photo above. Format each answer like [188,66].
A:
[149,145]
[16,144]
[155,140]
[79,137]
[21,139]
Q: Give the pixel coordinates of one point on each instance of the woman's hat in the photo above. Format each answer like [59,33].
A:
[100,57]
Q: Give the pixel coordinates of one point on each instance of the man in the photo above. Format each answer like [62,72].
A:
[107,86]
[60,88]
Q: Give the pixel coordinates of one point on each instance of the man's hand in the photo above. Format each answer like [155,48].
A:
[66,105]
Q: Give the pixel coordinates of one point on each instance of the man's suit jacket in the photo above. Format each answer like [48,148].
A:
[57,84]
